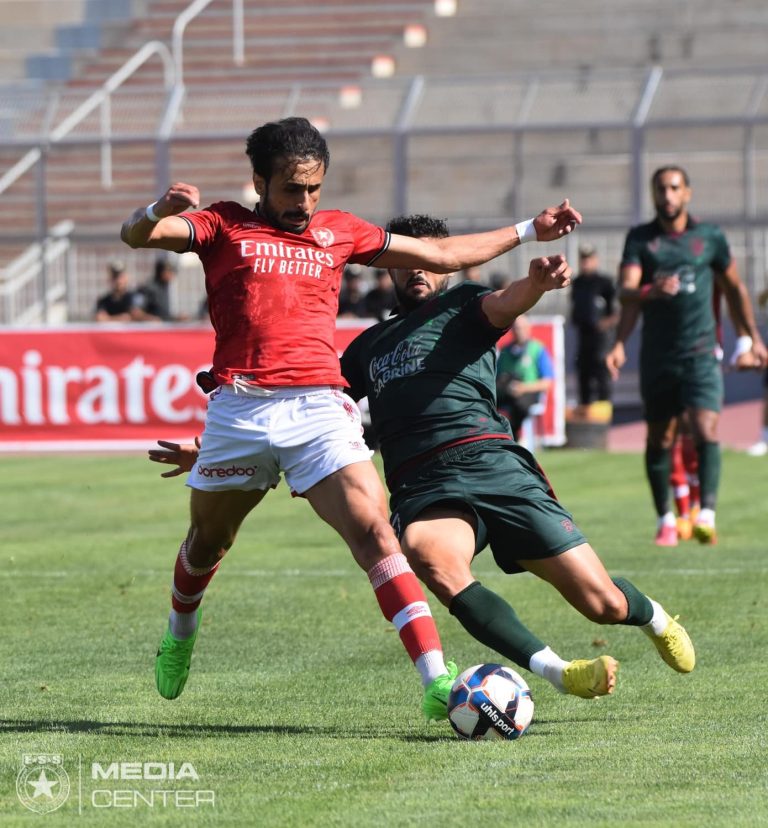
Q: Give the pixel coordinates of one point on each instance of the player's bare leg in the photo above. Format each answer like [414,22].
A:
[440,546]
[580,577]
[215,520]
[353,502]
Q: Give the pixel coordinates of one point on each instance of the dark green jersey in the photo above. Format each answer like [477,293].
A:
[430,376]
[683,325]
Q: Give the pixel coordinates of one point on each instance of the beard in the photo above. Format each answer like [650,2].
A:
[406,302]
[669,213]
[266,211]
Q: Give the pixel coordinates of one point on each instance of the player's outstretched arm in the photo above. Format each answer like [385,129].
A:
[544,274]
[181,455]
[750,349]
[158,224]
[458,252]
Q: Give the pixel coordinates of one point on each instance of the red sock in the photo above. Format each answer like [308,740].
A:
[189,582]
[679,480]
[402,602]
[691,460]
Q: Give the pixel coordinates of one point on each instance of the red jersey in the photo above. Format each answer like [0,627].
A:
[273,295]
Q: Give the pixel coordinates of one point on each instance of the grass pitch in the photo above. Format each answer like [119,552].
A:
[302,708]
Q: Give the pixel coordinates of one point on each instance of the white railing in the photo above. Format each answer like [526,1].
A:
[102,97]
[173,107]
[37,279]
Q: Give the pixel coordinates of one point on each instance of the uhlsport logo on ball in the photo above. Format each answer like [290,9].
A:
[42,784]
[490,701]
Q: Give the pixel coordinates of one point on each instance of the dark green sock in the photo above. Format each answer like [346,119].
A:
[658,463]
[487,617]
[640,607]
[709,473]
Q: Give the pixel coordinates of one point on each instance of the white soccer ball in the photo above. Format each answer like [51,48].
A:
[490,701]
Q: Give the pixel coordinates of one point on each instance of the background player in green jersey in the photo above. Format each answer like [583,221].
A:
[668,272]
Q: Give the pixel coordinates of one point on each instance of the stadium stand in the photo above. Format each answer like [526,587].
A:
[544,94]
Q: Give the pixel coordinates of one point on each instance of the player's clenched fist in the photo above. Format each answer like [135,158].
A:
[555,222]
[177,198]
[550,272]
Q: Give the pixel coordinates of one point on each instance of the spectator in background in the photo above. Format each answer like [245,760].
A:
[152,301]
[594,314]
[523,371]
[352,294]
[380,299]
[117,304]
[471,274]
[499,281]
[760,448]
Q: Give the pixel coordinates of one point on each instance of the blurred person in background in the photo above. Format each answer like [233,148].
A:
[117,305]
[668,272]
[380,299]
[152,301]
[594,314]
[352,295]
[471,274]
[760,448]
[524,372]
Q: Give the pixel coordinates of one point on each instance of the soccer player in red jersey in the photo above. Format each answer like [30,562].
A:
[272,278]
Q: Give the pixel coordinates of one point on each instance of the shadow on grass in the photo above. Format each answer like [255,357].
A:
[185,731]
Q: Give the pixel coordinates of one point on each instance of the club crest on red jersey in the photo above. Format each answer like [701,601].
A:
[323,236]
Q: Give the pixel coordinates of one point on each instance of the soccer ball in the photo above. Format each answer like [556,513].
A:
[490,701]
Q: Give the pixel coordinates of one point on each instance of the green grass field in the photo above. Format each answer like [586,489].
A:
[302,708]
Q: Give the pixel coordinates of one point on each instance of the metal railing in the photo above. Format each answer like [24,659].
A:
[37,279]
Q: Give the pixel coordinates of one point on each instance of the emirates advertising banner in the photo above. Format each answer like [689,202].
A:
[107,387]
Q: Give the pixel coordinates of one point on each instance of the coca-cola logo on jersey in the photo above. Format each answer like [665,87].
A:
[404,360]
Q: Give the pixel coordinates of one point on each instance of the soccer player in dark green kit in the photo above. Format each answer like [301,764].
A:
[458,481]
[668,271]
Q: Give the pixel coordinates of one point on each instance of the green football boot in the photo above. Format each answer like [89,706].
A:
[172,663]
[434,705]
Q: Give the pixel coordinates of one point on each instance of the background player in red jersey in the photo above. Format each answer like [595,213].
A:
[272,280]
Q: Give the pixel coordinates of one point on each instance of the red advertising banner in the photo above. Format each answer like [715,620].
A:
[110,387]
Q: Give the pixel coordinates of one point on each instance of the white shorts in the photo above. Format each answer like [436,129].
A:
[307,433]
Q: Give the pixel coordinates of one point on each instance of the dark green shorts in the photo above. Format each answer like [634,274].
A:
[502,485]
[669,388]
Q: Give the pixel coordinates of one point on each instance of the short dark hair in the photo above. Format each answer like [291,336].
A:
[670,168]
[419,227]
[290,139]
[161,265]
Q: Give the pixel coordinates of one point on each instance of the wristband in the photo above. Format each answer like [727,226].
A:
[743,346]
[151,214]
[526,232]
[645,290]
